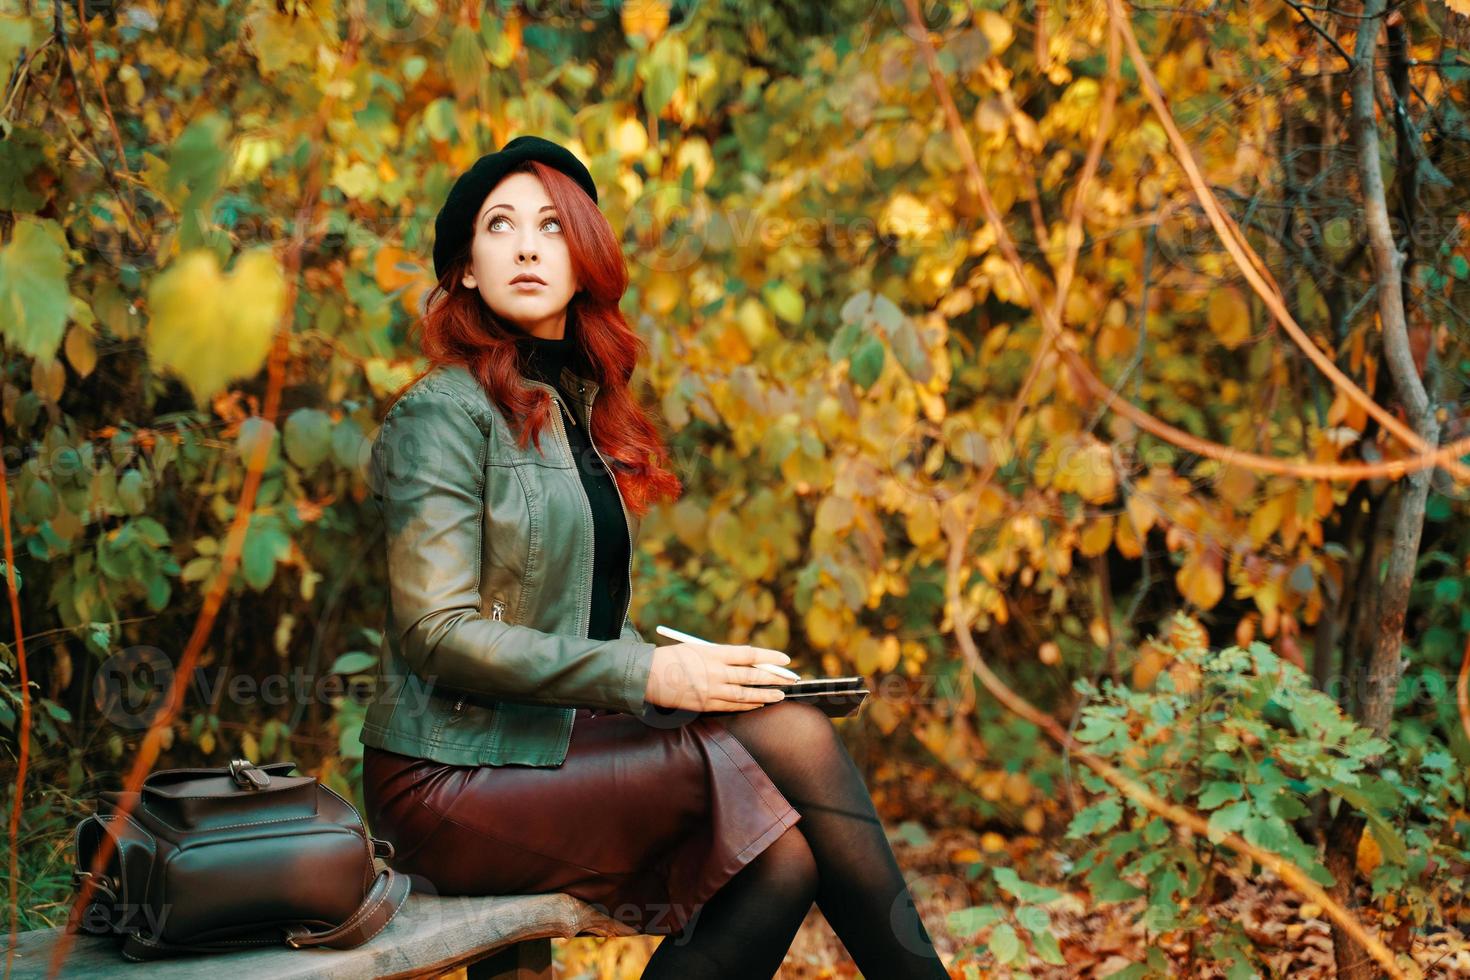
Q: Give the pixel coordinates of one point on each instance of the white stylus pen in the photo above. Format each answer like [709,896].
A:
[674,634]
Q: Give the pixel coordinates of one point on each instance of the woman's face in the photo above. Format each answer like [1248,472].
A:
[518,233]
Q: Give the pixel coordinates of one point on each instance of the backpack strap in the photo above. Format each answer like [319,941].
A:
[387,895]
[384,899]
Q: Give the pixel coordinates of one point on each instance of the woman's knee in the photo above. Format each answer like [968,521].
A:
[790,861]
[784,728]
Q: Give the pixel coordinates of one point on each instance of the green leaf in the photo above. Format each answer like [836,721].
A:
[1390,842]
[968,921]
[856,307]
[308,437]
[130,492]
[347,443]
[1228,819]
[1095,819]
[354,662]
[1048,948]
[465,61]
[1216,793]
[1008,880]
[910,352]
[34,299]
[888,316]
[1004,944]
[663,70]
[1034,918]
[349,742]
[843,341]
[15,35]
[439,121]
[1156,831]
[786,302]
[1270,833]
[867,362]
[265,544]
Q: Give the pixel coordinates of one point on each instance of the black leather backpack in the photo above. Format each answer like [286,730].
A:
[213,860]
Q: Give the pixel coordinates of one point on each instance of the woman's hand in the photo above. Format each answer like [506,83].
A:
[713,677]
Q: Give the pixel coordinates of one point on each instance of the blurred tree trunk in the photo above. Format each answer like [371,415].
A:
[1384,665]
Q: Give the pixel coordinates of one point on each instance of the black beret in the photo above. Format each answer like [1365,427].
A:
[454,227]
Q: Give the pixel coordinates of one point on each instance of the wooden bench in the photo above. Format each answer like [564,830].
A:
[500,938]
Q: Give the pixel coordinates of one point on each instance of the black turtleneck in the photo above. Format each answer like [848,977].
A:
[543,360]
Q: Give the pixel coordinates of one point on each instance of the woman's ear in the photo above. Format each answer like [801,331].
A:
[468,280]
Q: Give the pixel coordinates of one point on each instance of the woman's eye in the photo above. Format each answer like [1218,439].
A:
[500,217]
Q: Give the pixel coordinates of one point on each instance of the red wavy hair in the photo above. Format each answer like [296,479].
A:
[459,328]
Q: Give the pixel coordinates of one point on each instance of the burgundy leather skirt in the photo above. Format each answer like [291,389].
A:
[643,823]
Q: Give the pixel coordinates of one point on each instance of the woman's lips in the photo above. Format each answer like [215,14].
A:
[528,285]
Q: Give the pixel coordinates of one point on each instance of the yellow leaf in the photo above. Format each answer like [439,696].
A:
[80,350]
[1096,481]
[866,654]
[882,714]
[823,626]
[922,522]
[731,345]
[1235,486]
[1127,538]
[1200,579]
[358,181]
[1266,519]
[1229,316]
[1369,854]
[908,217]
[1268,599]
[755,322]
[1096,536]
[393,268]
[629,138]
[786,302]
[48,378]
[1141,512]
[889,652]
[1151,660]
[646,17]
[211,329]
[662,293]
[997,30]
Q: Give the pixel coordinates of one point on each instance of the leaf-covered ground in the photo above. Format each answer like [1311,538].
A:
[1292,939]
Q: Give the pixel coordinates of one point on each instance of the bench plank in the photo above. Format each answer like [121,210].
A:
[430,935]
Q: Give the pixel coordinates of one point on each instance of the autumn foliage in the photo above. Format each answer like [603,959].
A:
[991,344]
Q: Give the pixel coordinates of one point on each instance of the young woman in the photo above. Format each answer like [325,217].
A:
[525,738]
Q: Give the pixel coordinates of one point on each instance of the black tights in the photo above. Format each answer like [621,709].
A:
[838,854]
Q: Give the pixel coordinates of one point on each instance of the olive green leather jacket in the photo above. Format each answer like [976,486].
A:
[489,553]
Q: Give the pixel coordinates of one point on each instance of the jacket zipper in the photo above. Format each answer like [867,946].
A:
[497,613]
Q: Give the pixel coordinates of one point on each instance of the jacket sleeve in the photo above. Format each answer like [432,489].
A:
[630,632]
[428,469]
